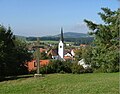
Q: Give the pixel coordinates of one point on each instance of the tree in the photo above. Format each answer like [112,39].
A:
[87,54]
[105,53]
[21,56]
[43,56]
[78,54]
[13,54]
[6,49]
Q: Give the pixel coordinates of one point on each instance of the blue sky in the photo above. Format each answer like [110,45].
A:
[46,17]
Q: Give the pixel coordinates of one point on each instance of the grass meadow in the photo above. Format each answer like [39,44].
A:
[94,83]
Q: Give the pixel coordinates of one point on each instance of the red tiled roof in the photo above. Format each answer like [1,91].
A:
[83,45]
[68,58]
[43,50]
[32,65]
[44,62]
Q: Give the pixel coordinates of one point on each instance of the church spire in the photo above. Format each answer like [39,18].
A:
[61,46]
[61,36]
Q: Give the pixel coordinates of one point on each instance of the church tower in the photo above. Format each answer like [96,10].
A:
[61,46]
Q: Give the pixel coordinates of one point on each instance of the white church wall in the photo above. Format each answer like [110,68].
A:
[61,49]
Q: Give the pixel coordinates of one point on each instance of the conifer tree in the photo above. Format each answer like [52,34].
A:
[13,54]
[105,53]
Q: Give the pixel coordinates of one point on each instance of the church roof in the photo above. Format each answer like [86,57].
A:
[61,36]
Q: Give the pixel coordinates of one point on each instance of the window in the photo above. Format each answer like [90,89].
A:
[60,46]
[35,64]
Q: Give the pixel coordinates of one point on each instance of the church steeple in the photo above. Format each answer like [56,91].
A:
[61,46]
[61,36]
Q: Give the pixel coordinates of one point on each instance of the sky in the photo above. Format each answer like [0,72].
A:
[46,17]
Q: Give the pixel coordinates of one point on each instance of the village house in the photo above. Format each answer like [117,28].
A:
[82,63]
[32,65]
[53,53]
[83,45]
[43,50]
[59,53]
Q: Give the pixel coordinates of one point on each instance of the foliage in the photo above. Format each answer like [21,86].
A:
[21,56]
[13,54]
[84,52]
[77,69]
[77,41]
[87,54]
[78,54]
[105,52]
[43,56]
[56,66]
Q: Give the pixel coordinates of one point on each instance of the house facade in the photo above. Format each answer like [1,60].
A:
[32,65]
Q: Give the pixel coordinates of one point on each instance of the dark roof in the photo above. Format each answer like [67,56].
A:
[61,36]
[53,52]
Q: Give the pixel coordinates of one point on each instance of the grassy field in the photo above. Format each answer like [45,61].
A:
[96,83]
[56,42]
[50,41]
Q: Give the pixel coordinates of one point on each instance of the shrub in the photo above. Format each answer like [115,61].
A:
[88,70]
[56,66]
[77,68]
[62,72]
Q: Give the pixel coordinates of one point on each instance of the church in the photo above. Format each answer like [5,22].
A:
[64,54]
[61,46]
[61,53]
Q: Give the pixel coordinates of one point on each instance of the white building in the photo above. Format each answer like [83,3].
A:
[72,52]
[82,63]
[61,46]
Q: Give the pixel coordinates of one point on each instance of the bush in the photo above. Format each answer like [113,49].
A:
[56,66]
[43,70]
[88,70]
[77,69]
[62,72]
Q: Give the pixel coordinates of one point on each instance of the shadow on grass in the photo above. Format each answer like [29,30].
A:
[15,77]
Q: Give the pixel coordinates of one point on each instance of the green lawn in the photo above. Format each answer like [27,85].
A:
[96,83]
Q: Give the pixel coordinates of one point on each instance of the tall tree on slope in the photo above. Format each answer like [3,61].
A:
[105,53]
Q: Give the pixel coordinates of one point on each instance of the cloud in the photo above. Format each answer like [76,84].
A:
[79,27]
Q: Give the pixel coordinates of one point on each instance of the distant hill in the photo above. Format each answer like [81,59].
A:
[78,38]
[73,35]
[68,37]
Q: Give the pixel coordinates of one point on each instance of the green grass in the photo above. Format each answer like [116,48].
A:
[55,42]
[96,83]
[50,42]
